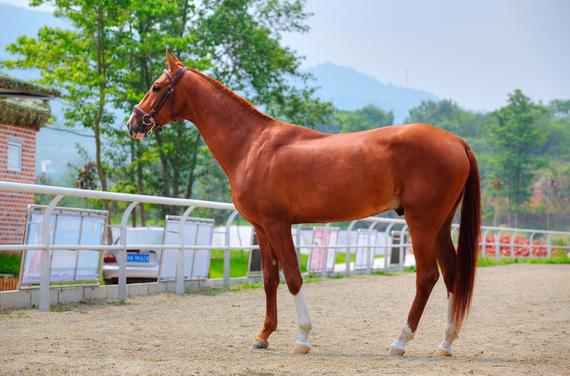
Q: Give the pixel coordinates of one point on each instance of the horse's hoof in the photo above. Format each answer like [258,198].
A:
[260,344]
[441,352]
[396,351]
[301,349]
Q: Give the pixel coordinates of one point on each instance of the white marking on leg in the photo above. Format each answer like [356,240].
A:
[451,333]
[399,345]
[303,320]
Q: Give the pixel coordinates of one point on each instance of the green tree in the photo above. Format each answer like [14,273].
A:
[365,118]
[448,115]
[557,132]
[79,62]
[115,50]
[235,41]
[155,166]
[242,40]
[516,137]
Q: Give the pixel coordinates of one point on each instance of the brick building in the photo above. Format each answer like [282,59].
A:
[24,109]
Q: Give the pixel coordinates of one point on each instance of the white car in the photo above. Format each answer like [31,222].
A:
[142,264]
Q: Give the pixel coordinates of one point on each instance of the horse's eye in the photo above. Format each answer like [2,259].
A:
[155,88]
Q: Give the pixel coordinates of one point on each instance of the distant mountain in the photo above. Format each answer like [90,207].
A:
[349,89]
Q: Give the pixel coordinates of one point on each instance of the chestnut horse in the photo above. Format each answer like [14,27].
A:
[282,174]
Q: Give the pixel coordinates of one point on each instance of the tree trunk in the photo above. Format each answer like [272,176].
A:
[192,167]
[101,75]
[165,167]
[140,181]
[131,176]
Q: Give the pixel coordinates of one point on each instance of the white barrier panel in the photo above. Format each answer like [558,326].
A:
[239,236]
[302,238]
[364,240]
[370,243]
[383,242]
[323,238]
[67,227]
[197,231]
[346,238]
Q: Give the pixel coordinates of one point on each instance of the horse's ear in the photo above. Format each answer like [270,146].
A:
[172,62]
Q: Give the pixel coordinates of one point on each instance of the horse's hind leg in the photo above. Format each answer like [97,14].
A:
[279,235]
[446,257]
[271,283]
[423,241]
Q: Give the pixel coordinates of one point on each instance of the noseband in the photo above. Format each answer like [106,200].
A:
[148,119]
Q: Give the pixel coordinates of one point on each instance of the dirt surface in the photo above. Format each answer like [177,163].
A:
[519,324]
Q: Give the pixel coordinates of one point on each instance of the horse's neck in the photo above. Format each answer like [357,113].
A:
[228,124]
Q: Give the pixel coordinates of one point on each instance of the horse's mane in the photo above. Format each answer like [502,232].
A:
[242,101]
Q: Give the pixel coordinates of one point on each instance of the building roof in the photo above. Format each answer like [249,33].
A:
[14,87]
[24,103]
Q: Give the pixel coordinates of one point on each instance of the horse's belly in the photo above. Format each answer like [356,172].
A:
[342,201]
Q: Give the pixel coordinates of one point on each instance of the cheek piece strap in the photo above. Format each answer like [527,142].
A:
[148,120]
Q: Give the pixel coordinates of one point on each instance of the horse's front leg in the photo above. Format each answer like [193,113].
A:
[270,282]
[279,235]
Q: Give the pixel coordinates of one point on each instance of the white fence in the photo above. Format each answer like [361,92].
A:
[394,229]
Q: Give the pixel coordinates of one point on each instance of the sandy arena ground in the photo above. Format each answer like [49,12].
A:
[519,324]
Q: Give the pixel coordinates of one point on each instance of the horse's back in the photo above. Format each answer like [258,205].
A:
[342,176]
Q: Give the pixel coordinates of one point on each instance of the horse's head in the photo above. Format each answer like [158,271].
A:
[153,111]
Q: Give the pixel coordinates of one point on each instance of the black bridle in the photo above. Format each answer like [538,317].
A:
[147,119]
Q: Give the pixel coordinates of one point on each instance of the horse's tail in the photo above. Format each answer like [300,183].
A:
[469,230]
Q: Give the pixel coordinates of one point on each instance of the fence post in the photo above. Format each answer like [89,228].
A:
[388,249]
[298,246]
[484,244]
[180,258]
[324,271]
[530,240]
[348,253]
[227,265]
[549,245]
[513,244]
[498,245]
[45,262]
[369,254]
[402,254]
[123,252]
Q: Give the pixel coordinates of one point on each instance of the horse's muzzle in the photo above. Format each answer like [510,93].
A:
[135,127]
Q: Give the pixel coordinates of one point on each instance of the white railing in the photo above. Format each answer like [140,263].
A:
[391,226]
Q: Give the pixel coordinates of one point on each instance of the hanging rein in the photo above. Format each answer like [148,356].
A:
[147,119]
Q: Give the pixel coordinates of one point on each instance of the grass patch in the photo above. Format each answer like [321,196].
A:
[341,257]
[336,276]
[410,269]
[210,291]
[246,286]
[238,263]
[9,264]
[121,302]
[487,261]
[16,315]
[213,291]
[71,283]
[60,308]
[385,274]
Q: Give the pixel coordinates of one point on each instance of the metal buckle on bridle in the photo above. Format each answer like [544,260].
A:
[150,131]
[148,120]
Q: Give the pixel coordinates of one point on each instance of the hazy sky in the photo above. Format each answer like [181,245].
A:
[474,52]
